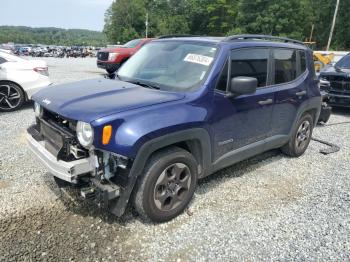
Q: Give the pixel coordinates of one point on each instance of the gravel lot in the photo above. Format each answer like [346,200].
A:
[267,208]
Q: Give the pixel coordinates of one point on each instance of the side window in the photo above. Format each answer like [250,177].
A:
[285,65]
[2,60]
[302,61]
[252,63]
[222,83]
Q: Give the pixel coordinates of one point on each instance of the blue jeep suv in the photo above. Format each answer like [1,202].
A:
[180,109]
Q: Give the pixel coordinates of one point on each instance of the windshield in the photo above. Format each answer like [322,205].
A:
[344,62]
[169,65]
[132,43]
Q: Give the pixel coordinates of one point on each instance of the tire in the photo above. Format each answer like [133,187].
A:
[167,185]
[110,71]
[325,113]
[300,138]
[11,96]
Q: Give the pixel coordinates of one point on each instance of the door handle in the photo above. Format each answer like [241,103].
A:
[301,93]
[265,102]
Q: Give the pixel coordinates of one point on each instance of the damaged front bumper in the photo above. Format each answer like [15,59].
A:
[67,171]
[88,174]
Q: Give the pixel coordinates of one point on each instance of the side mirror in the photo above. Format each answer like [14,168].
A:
[242,85]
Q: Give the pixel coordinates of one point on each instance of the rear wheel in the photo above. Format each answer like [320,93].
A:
[11,96]
[167,186]
[300,138]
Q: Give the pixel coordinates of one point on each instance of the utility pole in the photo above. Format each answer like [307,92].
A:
[333,24]
[146,23]
[312,31]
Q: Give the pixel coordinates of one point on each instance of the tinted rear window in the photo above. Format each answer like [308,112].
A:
[302,62]
[285,65]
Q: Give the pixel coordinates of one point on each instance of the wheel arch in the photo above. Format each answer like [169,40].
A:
[13,82]
[312,107]
[196,141]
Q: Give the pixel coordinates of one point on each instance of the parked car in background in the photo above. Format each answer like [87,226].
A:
[335,80]
[178,110]
[25,50]
[111,59]
[20,79]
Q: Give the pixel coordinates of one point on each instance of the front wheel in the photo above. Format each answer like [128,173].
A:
[11,96]
[300,138]
[167,186]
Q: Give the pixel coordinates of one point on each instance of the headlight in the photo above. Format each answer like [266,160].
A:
[38,110]
[112,56]
[85,134]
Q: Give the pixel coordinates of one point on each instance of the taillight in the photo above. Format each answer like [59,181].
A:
[42,70]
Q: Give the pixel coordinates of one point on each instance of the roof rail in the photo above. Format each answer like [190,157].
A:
[175,35]
[262,37]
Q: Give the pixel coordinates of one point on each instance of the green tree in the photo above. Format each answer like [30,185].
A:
[291,18]
[280,18]
[124,20]
[222,16]
[51,36]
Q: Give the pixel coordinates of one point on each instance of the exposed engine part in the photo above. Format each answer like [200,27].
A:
[110,163]
[331,149]
[88,193]
[77,152]
[101,193]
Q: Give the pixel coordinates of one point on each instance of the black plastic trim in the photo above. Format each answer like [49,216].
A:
[150,147]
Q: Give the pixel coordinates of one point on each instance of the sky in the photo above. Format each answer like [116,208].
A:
[82,14]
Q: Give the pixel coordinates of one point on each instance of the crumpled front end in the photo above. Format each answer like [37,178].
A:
[103,177]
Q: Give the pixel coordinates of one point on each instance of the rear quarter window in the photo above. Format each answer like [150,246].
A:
[285,61]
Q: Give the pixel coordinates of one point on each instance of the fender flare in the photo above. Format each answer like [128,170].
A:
[153,145]
[148,148]
[313,104]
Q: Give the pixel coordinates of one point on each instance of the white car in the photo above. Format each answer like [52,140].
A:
[20,79]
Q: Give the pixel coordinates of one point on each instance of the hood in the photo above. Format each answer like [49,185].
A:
[90,100]
[332,70]
[118,50]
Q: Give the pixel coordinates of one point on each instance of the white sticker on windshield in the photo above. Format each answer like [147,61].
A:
[199,59]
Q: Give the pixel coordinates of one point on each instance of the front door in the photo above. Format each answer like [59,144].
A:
[243,120]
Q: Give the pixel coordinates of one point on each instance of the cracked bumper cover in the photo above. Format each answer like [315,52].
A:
[67,171]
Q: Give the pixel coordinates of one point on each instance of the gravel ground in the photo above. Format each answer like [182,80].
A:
[270,207]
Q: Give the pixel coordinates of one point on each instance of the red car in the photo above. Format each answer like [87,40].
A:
[112,58]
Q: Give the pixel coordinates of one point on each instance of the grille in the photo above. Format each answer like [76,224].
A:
[66,124]
[102,56]
[340,86]
[59,136]
[339,83]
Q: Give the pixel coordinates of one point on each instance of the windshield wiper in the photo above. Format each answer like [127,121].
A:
[152,86]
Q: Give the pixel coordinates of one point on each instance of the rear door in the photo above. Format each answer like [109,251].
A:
[289,78]
[243,120]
